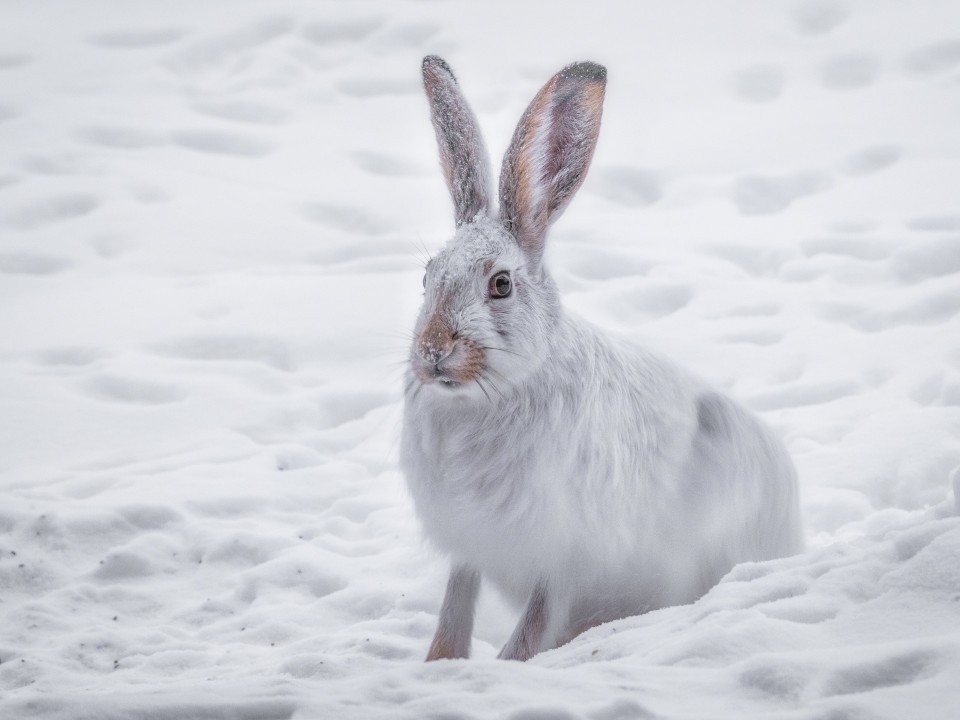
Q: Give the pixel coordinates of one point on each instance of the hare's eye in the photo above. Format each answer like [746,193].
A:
[424,280]
[500,285]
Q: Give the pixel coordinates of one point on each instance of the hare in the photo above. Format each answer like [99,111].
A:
[588,479]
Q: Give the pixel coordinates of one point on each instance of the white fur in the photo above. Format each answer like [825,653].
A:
[600,473]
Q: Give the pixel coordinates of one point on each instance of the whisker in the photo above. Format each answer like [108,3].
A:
[509,352]
[493,386]
[483,389]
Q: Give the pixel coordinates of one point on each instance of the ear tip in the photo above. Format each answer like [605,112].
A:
[435,61]
[585,70]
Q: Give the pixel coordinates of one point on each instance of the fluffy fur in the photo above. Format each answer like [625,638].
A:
[586,478]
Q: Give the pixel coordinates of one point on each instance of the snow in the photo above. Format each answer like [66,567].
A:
[212,222]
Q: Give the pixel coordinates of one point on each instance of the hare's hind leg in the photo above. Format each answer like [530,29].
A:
[455,628]
[528,637]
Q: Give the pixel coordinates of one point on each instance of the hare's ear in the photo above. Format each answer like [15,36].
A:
[550,152]
[462,152]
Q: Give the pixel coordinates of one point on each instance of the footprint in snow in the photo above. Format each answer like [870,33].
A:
[818,17]
[50,210]
[346,218]
[930,309]
[327,33]
[934,59]
[761,338]
[243,111]
[651,300]
[864,249]
[401,37]
[935,223]
[70,356]
[378,163]
[133,391]
[32,264]
[120,137]
[889,672]
[928,257]
[136,39]
[218,142]
[235,348]
[219,51]
[9,61]
[803,394]
[872,159]
[375,86]
[8,112]
[849,71]
[768,194]
[759,83]
[626,185]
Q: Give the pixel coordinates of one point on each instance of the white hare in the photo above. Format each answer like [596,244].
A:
[586,478]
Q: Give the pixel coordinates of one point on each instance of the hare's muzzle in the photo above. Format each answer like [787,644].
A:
[441,355]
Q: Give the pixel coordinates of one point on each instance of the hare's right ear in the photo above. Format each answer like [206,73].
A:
[550,152]
[463,155]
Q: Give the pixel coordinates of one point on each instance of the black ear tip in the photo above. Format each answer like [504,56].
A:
[435,61]
[585,71]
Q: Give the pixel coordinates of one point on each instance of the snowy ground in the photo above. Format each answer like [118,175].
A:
[211,216]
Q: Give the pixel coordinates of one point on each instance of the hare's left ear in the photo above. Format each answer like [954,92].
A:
[550,152]
[463,155]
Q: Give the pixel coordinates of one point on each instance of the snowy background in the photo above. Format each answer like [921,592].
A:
[212,217]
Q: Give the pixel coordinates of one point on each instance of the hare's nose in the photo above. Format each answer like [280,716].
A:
[436,341]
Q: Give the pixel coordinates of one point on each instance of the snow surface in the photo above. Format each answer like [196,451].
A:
[212,217]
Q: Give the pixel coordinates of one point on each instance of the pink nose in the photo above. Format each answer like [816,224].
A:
[434,347]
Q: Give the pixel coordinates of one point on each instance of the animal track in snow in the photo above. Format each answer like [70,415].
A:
[934,59]
[817,17]
[849,71]
[135,39]
[53,209]
[754,337]
[378,163]
[872,159]
[929,309]
[626,185]
[407,35]
[8,112]
[768,194]
[235,348]
[346,218]
[889,672]
[759,83]
[802,394]
[224,51]
[652,299]
[218,142]
[768,261]
[13,60]
[377,86]
[935,223]
[120,137]
[346,31]
[853,247]
[777,679]
[244,111]
[32,264]
[70,356]
[928,257]
[594,262]
[133,391]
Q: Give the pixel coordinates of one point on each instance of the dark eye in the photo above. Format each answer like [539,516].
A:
[500,285]
[424,280]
